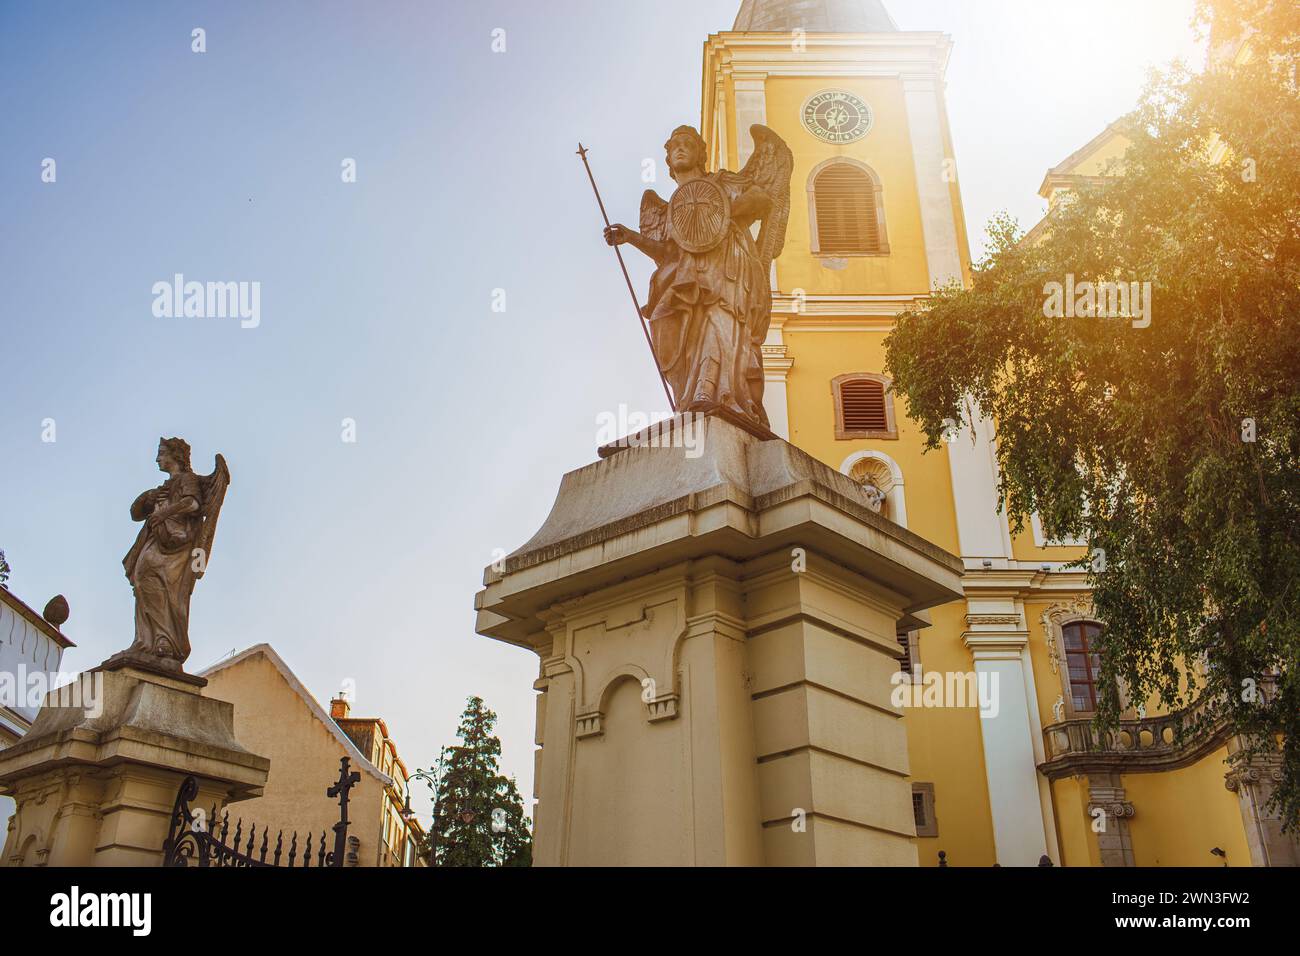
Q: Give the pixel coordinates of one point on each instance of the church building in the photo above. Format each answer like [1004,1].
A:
[1015,772]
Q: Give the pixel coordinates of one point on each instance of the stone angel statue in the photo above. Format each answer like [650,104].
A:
[171,553]
[710,297]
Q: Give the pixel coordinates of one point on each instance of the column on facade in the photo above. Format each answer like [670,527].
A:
[921,94]
[1021,821]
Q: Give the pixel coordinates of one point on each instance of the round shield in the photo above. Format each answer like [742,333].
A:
[699,214]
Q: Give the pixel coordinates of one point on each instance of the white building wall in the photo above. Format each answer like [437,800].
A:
[25,651]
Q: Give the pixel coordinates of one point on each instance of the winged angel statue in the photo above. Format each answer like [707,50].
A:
[171,552]
[711,296]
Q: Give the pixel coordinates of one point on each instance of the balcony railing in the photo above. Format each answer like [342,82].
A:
[1148,745]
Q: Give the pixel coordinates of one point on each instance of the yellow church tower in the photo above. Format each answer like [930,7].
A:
[1013,773]
[876,215]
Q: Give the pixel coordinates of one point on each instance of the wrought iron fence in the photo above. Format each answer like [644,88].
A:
[194,841]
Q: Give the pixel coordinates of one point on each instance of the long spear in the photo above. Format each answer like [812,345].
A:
[582,151]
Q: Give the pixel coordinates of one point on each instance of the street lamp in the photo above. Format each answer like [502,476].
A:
[406,812]
[466,814]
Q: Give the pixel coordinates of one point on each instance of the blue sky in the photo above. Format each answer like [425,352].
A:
[360,560]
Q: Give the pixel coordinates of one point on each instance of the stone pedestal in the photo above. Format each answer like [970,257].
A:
[716,622]
[96,778]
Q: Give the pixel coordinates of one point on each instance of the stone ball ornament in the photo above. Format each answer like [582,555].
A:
[56,610]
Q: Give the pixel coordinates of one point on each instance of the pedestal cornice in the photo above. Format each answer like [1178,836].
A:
[647,508]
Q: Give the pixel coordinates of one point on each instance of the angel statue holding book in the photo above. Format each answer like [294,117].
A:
[170,553]
[711,295]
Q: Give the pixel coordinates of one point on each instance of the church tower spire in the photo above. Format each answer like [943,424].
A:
[814,16]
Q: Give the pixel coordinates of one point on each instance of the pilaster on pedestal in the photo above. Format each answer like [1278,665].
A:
[717,626]
[1109,811]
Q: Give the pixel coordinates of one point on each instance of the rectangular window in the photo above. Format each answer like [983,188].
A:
[927,824]
[1082,663]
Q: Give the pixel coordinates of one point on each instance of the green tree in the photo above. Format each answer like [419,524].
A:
[478,813]
[1174,449]
[4,569]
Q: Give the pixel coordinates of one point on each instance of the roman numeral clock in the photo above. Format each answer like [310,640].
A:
[836,116]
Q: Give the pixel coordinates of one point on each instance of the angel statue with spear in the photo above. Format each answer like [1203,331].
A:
[171,553]
[711,296]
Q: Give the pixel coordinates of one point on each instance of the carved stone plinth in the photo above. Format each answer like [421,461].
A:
[95,779]
[716,634]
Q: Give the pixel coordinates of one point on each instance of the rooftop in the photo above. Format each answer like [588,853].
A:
[814,16]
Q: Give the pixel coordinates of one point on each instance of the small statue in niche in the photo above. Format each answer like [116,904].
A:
[875,496]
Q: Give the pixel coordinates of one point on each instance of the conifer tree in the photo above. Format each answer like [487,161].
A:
[478,813]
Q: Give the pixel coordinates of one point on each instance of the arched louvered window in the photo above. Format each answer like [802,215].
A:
[846,210]
[864,406]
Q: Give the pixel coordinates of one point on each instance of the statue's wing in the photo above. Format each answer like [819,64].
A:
[214,493]
[770,167]
[654,216]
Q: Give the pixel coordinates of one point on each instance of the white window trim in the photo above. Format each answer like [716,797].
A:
[1040,539]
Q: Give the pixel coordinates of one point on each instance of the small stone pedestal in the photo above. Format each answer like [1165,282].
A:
[716,623]
[96,778]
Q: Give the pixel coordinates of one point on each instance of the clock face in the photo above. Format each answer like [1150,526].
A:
[835,116]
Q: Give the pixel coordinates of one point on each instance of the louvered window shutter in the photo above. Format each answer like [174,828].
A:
[905,662]
[863,405]
[845,200]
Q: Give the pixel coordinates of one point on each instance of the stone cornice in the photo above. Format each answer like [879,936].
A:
[976,619]
[1023,582]
[739,500]
[990,645]
[776,360]
[14,722]
[833,54]
[800,310]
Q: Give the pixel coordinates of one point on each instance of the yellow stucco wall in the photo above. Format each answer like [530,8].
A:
[1024,549]
[887,149]
[1048,684]
[927,482]
[272,720]
[945,748]
[1074,836]
[1183,813]
[1180,815]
